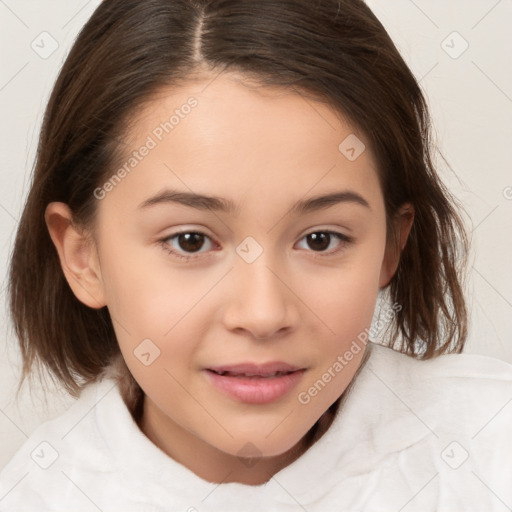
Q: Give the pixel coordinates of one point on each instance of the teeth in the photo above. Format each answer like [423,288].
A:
[270,375]
[259,375]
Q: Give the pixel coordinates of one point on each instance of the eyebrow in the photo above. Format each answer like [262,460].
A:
[220,204]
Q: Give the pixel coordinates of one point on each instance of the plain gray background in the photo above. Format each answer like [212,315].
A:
[459,50]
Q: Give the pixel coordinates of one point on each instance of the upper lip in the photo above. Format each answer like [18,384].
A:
[262,370]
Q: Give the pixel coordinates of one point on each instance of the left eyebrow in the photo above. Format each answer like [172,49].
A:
[322,202]
[215,203]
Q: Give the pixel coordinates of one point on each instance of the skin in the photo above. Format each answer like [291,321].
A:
[264,149]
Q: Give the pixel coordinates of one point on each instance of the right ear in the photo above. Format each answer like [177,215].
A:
[77,254]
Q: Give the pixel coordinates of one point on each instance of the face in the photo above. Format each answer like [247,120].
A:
[265,277]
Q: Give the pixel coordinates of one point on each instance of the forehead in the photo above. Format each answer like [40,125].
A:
[223,136]
[230,107]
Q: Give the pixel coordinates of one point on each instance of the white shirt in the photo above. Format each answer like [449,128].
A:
[412,435]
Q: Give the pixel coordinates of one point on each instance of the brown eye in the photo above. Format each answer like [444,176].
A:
[185,244]
[320,241]
[190,242]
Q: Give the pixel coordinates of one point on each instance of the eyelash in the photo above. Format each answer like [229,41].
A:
[346,240]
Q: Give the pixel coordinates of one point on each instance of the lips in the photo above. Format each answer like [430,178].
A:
[267,370]
[255,383]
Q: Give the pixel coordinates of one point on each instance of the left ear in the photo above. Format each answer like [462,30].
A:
[403,223]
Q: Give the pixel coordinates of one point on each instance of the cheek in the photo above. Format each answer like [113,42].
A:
[144,292]
[344,303]
[149,300]
[345,309]
[345,299]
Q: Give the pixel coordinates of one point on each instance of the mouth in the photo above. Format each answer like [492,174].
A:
[253,383]
[266,370]
[250,375]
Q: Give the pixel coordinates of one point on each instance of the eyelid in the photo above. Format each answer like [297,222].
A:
[328,230]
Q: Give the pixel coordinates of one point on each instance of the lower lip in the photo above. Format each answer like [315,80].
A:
[256,390]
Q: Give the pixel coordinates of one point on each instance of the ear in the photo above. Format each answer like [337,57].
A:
[403,223]
[77,254]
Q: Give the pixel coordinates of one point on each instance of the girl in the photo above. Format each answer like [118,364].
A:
[222,192]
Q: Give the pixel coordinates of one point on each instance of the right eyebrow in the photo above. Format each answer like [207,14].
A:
[198,201]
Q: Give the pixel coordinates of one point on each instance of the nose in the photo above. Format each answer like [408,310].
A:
[260,301]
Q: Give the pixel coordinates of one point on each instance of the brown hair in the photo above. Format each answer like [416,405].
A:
[334,50]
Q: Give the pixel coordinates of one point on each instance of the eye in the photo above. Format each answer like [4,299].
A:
[319,241]
[188,241]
